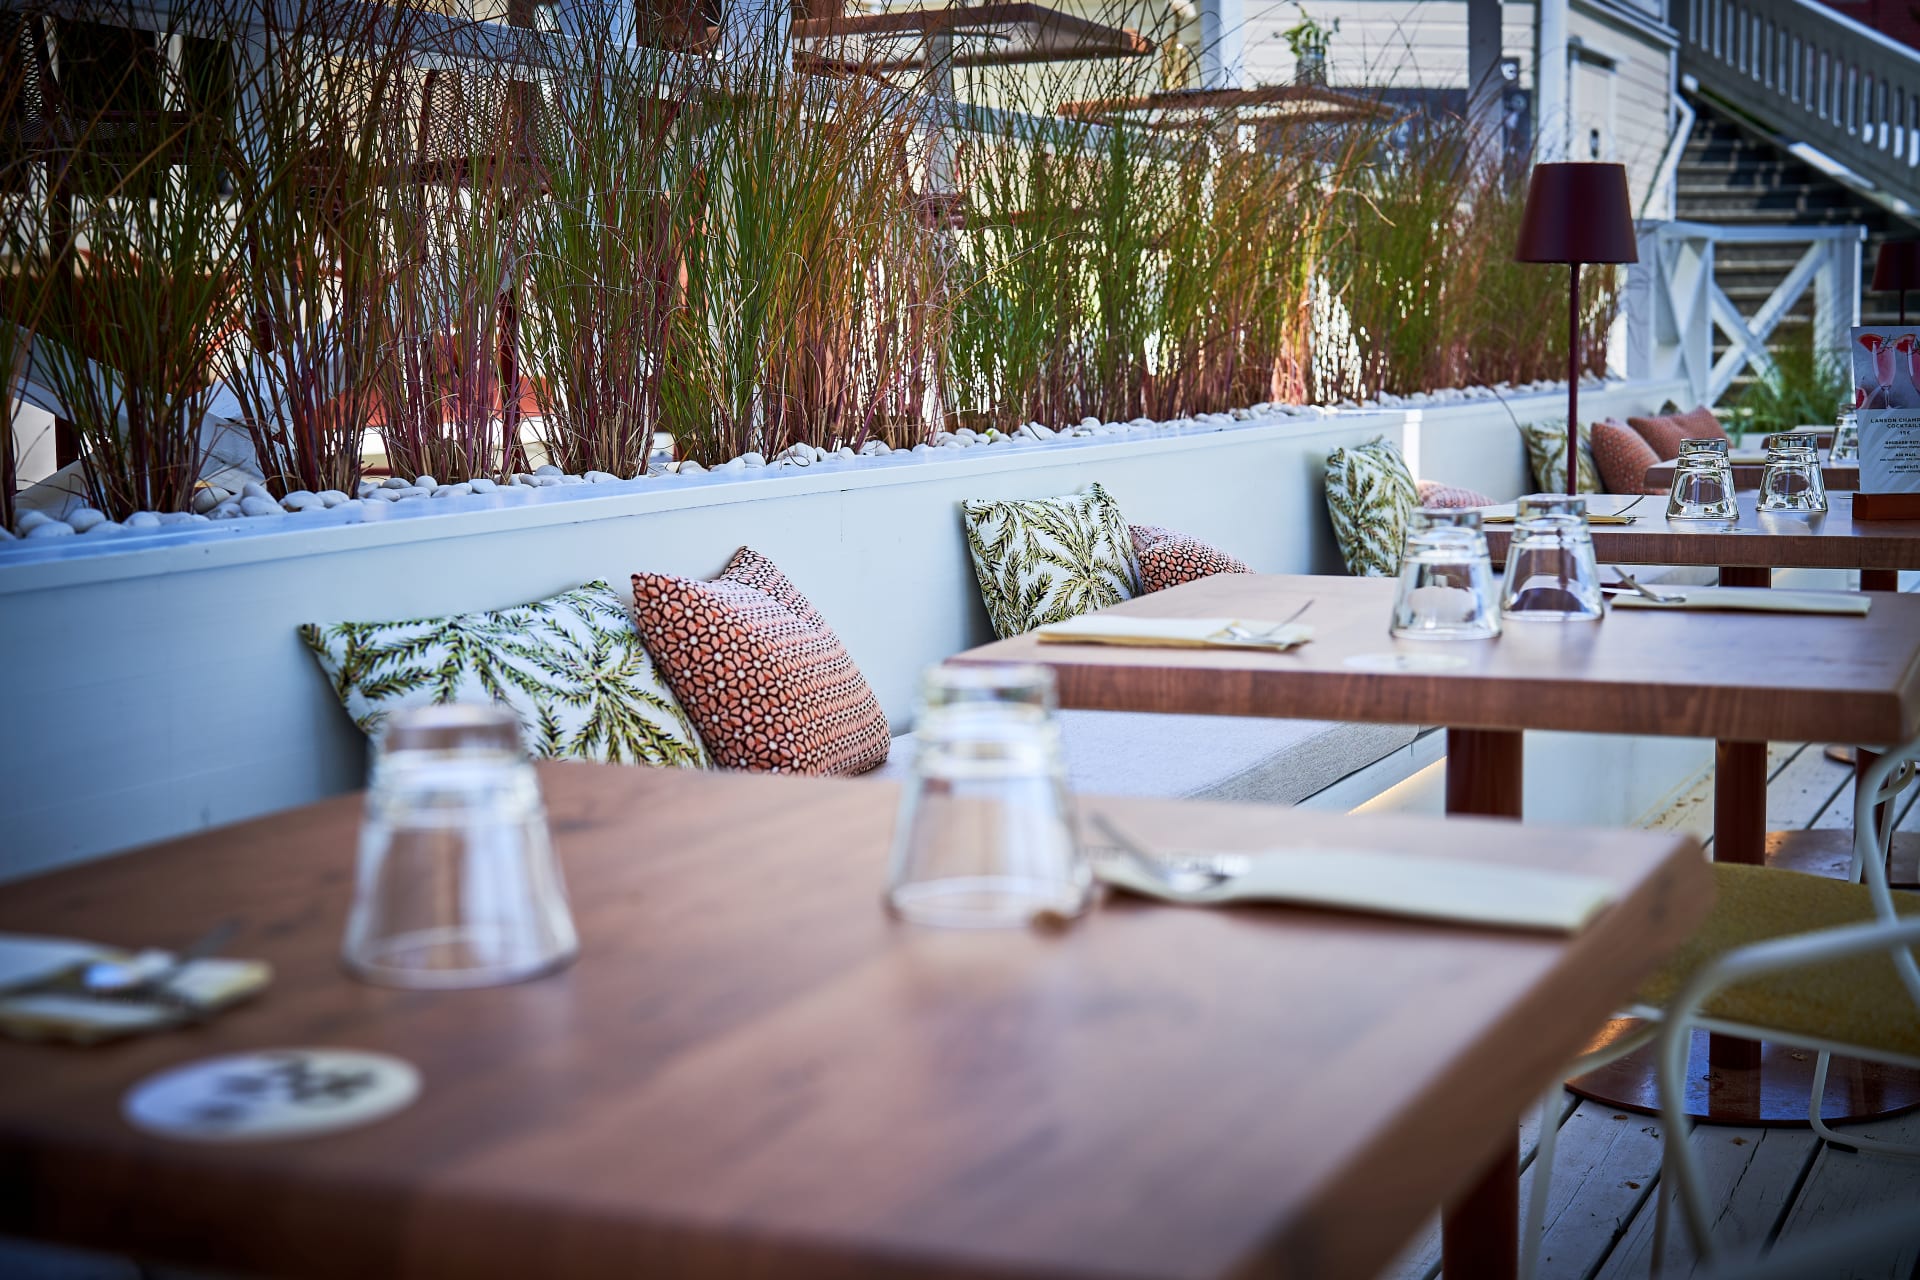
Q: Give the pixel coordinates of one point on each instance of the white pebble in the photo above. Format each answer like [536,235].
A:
[480,484]
[331,498]
[31,520]
[253,505]
[876,449]
[172,519]
[85,518]
[734,464]
[426,482]
[301,499]
[689,467]
[548,470]
[446,491]
[51,529]
[143,520]
[395,482]
[106,528]
[600,477]
[207,497]
[753,459]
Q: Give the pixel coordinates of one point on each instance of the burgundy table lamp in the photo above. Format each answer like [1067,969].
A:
[1897,270]
[1576,213]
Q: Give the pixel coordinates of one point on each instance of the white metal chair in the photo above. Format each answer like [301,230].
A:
[1785,957]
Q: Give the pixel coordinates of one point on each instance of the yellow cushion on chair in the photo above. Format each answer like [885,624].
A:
[1858,1002]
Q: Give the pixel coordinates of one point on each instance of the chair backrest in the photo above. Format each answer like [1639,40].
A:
[1873,821]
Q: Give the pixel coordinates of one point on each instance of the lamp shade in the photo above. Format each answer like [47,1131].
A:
[1897,269]
[1577,213]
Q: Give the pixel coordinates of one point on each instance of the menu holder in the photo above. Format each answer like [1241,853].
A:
[1884,365]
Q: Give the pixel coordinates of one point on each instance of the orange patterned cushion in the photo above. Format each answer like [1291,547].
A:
[1169,558]
[1666,432]
[1623,457]
[1449,496]
[761,675]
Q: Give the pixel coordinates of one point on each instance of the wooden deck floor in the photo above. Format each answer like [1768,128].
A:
[1772,1184]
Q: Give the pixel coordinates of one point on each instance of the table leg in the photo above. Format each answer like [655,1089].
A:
[1742,576]
[1879,579]
[1736,1081]
[1479,1230]
[1484,772]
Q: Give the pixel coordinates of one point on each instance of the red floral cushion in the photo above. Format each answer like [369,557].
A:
[766,682]
[1623,456]
[1434,494]
[1169,557]
[1666,432]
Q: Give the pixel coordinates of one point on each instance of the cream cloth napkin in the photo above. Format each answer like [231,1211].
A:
[1175,633]
[1392,884]
[1751,600]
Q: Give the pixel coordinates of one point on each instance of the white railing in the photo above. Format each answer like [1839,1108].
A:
[1674,303]
[1814,76]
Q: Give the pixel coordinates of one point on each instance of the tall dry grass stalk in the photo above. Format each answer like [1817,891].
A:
[327,82]
[811,307]
[134,244]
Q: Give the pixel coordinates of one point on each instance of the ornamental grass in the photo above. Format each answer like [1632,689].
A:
[389,221]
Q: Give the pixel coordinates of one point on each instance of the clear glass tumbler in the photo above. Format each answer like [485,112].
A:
[458,885]
[1446,579]
[1702,483]
[985,837]
[1791,480]
[1846,435]
[1552,575]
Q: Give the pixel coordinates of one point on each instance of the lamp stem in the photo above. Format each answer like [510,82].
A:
[1573,379]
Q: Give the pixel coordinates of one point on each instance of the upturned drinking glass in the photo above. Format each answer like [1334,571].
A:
[1791,480]
[1846,434]
[985,836]
[457,885]
[1702,483]
[1552,575]
[1446,579]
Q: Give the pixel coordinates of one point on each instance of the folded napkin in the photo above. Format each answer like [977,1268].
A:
[1391,884]
[42,996]
[1175,633]
[1751,600]
[1593,517]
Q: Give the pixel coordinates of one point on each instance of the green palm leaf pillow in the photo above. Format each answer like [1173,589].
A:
[571,667]
[1547,455]
[1370,497]
[1044,560]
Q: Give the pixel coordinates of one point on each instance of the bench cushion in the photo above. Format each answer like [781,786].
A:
[1250,758]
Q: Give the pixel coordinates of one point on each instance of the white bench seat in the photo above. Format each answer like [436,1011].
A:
[1248,758]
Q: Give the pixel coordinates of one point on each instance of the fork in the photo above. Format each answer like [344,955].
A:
[1181,875]
[1633,584]
[1244,636]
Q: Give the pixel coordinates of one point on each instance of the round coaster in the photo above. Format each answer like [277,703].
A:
[278,1093]
[1406,662]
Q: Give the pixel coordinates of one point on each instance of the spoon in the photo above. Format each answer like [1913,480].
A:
[1182,877]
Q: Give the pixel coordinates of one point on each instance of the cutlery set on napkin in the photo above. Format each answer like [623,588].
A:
[84,993]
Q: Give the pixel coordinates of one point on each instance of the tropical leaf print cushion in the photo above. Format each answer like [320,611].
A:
[766,680]
[571,667]
[1370,497]
[1547,455]
[1044,560]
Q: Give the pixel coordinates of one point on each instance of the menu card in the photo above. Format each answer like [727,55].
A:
[1886,393]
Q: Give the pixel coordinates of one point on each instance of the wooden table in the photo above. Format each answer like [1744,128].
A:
[1748,550]
[1742,679]
[754,1071]
[1746,475]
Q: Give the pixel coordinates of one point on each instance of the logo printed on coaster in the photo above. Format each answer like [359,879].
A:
[279,1093]
[1406,662]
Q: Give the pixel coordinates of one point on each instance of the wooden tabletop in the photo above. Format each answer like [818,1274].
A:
[1753,677]
[753,1071]
[1759,540]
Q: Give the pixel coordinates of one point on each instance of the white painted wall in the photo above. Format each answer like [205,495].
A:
[155,685]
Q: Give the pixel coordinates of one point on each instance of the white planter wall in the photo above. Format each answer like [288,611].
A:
[155,685]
